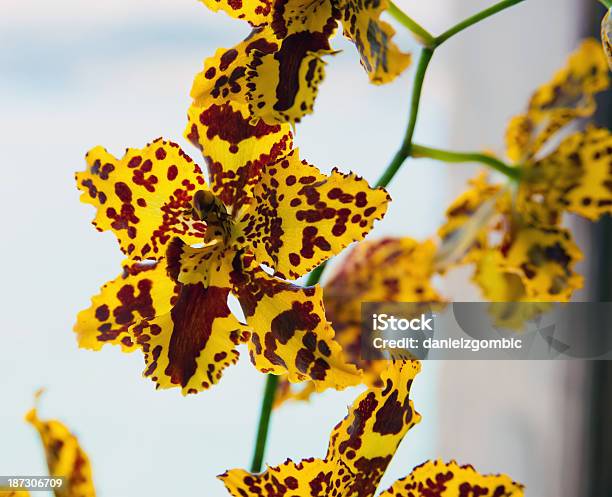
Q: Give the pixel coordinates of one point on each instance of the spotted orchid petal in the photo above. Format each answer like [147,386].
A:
[379,56]
[533,264]
[276,70]
[144,197]
[302,217]
[190,346]
[65,457]
[141,292]
[451,480]
[254,11]
[567,97]
[291,334]
[576,177]
[461,237]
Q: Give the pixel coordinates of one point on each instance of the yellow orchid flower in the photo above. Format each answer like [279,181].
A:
[189,246]
[276,70]
[521,251]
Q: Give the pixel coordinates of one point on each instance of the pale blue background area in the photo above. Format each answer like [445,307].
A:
[75,74]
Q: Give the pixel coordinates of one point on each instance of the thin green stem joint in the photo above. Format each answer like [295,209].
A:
[419,151]
[606,3]
[424,36]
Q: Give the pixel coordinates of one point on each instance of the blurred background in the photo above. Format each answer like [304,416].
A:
[77,74]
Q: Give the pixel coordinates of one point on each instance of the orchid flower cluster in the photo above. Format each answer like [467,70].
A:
[262,217]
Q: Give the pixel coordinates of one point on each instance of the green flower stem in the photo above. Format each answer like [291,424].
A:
[606,3]
[264,422]
[406,150]
[419,31]
[419,151]
[470,21]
